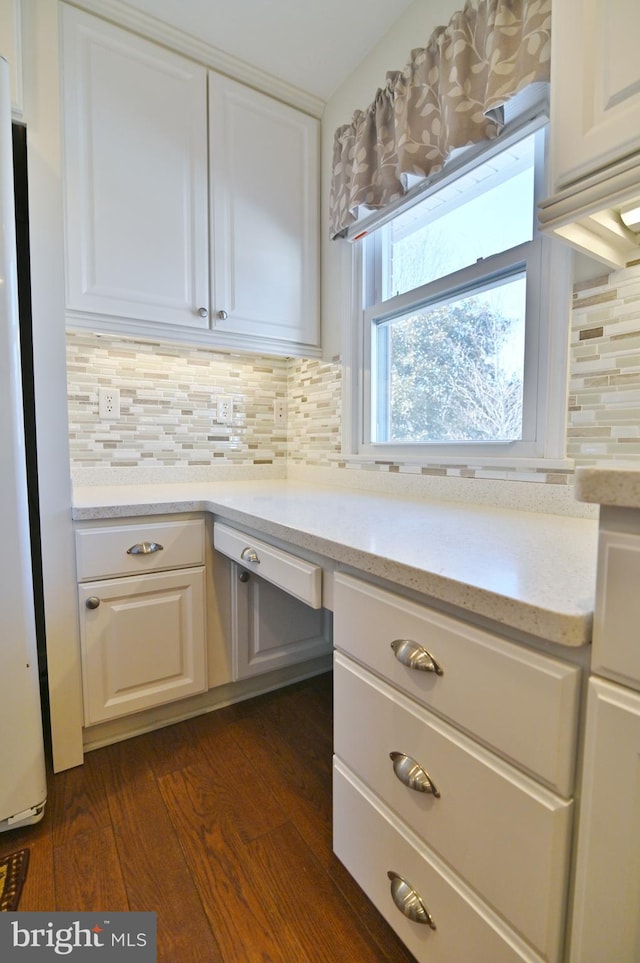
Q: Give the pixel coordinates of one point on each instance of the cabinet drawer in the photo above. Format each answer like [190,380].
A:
[290,573]
[489,822]
[371,842]
[515,700]
[106,552]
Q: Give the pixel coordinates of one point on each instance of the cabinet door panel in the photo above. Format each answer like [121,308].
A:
[607,893]
[272,629]
[595,89]
[264,215]
[144,644]
[135,176]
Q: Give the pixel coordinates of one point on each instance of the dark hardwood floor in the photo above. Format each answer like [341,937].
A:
[222,826]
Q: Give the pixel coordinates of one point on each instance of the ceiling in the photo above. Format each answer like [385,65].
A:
[312,44]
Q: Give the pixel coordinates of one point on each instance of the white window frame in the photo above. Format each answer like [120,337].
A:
[548,264]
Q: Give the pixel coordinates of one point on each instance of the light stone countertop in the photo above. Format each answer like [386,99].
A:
[531,572]
[614,485]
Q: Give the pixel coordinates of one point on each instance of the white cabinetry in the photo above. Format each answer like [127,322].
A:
[456,748]
[142,615]
[135,150]
[185,221]
[595,86]
[606,922]
[595,127]
[264,184]
[277,618]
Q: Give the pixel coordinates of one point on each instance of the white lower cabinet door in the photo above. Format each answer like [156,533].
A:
[507,836]
[272,629]
[452,925]
[143,642]
[606,922]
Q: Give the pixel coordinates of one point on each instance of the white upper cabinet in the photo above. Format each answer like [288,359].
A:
[595,86]
[595,127]
[136,176]
[264,216]
[183,220]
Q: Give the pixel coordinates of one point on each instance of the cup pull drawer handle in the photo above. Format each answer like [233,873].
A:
[145,548]
[415,656]
[408,901]
[249,555]
[412,774]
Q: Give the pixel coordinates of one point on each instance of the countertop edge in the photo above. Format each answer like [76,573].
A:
[568,629]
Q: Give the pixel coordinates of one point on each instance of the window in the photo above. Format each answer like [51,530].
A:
[454,346]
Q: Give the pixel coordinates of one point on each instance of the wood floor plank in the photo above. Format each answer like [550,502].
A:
[224,780]
[88,876]
[246,923]
[156,876]
[79,804]
[306,896]
[300,780]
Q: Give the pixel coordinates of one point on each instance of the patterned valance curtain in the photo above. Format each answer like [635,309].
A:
[448,96]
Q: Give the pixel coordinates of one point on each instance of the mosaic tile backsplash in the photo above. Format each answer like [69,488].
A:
[168,395]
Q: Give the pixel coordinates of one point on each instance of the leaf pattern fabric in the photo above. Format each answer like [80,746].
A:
[448,96]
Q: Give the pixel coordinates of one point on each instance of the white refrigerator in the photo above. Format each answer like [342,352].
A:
[23,786]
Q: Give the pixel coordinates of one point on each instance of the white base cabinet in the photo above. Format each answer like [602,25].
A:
[142,615]
[454,769]
[606,922]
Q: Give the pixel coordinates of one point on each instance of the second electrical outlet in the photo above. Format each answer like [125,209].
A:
[224,413]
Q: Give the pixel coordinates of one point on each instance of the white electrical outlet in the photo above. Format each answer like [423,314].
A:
[109,404]
[280,412]
[224,414]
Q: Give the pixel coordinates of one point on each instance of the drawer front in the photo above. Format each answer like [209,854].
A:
[290,573]
[506,836]
[132,549]
[371,843]
[515,700]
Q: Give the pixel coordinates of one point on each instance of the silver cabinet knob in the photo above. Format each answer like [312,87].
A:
[412,775]
[249,555]
[409,901]
[92,602]
[415,656]
[223,315]
[203,312]
[145,548]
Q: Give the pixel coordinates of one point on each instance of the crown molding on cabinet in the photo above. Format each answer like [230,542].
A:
[146,26]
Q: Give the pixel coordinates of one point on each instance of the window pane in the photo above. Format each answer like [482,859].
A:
[452,371]
[482,213]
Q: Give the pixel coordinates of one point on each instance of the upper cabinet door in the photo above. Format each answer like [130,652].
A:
[264,218]
[595,86]
[135,150]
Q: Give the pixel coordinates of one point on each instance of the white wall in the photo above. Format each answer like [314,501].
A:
[411,30]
